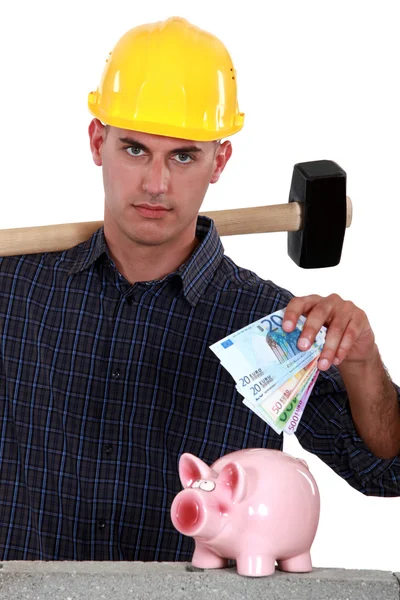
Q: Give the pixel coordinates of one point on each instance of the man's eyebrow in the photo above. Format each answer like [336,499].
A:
[180,150]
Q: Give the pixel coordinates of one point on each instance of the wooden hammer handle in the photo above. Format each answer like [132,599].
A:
[235,221]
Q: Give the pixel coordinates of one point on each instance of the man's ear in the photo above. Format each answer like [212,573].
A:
[97,134]
[222,155]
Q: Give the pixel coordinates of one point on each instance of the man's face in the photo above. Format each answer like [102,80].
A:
[154,185]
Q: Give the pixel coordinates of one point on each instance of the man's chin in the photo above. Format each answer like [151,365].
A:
[148,235]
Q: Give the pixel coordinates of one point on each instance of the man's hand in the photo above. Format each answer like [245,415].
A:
[350,343]
[349,335]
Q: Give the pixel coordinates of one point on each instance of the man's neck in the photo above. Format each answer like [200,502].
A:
[137,262]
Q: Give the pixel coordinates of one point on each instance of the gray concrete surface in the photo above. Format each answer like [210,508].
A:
[21,580]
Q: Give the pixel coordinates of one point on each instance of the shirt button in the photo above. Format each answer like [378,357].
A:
[101,523]
[108,449]
[116,374]
[129,300]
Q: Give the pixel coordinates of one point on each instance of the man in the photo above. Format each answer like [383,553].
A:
[106,376]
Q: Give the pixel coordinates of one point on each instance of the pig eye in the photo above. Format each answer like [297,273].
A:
[207,486]
[196,484]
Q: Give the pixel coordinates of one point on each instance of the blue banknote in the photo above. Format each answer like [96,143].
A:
[272,374]
[263,355]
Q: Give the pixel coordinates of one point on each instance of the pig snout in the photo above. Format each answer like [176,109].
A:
[188,511]
[192,516]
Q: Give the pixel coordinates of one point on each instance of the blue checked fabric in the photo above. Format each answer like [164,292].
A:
[103,385]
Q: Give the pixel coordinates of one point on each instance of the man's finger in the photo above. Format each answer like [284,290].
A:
[298,306]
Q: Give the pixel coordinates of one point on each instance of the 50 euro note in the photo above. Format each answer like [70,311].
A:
[288,419]
[277,407]
[261,356]
[294,420]
[283,410]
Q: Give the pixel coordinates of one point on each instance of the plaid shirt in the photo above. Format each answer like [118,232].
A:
[104,384]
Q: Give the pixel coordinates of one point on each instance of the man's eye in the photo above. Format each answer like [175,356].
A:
[134,150]
[184,158]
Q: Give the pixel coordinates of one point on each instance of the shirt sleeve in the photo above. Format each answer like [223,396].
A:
[327,430]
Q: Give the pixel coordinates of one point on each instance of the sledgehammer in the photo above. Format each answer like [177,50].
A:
[316,218]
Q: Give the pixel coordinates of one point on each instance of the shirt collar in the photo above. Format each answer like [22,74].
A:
[195,273]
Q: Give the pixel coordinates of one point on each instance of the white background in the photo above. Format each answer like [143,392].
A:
[317,80]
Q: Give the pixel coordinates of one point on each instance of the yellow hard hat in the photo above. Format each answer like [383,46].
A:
[169,78]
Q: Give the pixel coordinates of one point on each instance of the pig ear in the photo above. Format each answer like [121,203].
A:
[303,462]
[234,477]
[192,468]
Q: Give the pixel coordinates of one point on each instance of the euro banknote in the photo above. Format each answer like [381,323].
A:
[277,402]
[278,408]
[272,374]
[261,356]
[292,423]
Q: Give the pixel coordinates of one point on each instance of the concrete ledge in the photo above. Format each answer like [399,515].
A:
[65,580]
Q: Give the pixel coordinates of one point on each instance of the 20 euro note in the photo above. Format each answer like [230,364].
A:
[278,406]
[288,404]
[291,425]
[276,402]
[263,354]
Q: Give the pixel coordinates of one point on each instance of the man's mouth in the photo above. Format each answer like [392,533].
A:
[151,210]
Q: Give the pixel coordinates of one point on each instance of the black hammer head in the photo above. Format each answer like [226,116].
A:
[320,186]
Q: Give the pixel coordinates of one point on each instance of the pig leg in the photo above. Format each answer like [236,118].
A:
[297,564]
[204,558]
[256,565]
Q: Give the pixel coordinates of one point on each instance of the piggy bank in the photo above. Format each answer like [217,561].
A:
[256,506]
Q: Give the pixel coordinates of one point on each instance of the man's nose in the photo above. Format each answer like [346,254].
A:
[155,181]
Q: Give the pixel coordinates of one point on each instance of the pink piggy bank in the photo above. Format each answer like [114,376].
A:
[256,506]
